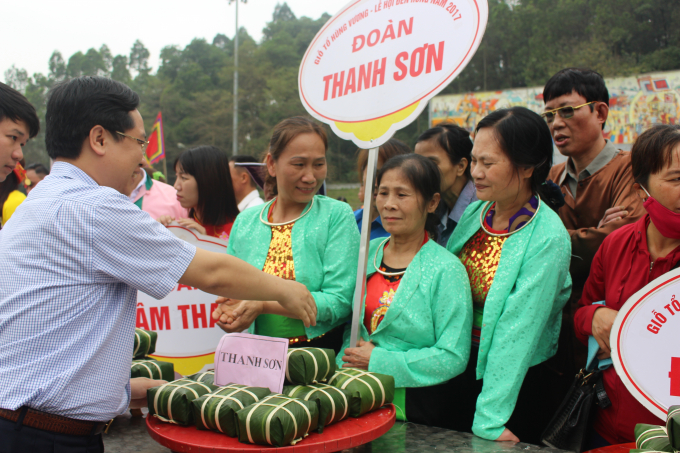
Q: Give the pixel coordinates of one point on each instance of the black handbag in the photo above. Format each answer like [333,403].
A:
[571,424]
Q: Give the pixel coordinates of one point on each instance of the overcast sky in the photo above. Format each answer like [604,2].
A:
[32,29]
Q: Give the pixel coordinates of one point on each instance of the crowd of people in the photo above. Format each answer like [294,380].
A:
[487,265]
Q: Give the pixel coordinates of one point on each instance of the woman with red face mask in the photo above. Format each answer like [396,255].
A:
[627,260]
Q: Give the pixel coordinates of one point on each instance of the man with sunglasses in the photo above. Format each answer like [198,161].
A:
[596,181]
[70,268]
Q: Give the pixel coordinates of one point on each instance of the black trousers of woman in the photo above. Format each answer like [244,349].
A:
[452,405]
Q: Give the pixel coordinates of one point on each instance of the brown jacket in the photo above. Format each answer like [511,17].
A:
[610,186]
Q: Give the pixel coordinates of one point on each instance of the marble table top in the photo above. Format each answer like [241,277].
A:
[128,435]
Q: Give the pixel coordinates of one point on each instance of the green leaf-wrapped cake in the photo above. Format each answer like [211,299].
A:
[333,402]
[652,438]
[217,410]
[309,365]
[673,427]
[145,343]
[277,420]
[171,402]
[373,389]
[152,369]
[207,377]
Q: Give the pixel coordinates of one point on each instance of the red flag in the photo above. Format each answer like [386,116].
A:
[155,151]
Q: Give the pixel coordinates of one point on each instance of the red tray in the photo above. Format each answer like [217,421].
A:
[348,433]
[620,448]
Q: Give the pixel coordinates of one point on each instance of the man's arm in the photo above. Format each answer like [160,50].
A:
[586,241]
[227,276]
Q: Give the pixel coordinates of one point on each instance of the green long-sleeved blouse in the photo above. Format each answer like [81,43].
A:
[325,254]
[522,312]
[424,338]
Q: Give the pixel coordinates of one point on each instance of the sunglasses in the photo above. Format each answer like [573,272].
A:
[565,112]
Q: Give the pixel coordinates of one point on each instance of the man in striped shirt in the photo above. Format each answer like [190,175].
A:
[71,261]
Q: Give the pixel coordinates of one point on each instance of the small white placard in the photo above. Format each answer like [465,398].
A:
[252,360]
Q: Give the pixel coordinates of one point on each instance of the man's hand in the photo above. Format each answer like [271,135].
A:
[165,220]
[228,276]
[603,320]
[138,388]
[358,357]
[191,223]
[224,311]
[612,214]
[236,315]
[507,436]
[299,302]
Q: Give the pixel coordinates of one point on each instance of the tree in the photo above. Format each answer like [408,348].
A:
[139,58]
[120,70]
[16,78]
[57,67]
[526,41]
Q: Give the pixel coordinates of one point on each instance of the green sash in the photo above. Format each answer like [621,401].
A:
[147,184]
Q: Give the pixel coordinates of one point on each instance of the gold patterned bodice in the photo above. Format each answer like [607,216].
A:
[279,260]
[480,256]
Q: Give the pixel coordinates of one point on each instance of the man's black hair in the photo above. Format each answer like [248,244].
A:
[243,159]
[586,82]
[15,106]
[38,168]
[75,106]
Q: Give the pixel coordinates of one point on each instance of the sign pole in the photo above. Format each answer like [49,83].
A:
[234,145]
[360,287]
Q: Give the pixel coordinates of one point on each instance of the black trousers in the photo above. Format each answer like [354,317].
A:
[15,438]
[452,405]
[331,340]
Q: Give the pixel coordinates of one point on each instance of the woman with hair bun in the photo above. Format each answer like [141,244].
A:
[298,236]
[449,146]
[389,149]
[417,313]
[516,252]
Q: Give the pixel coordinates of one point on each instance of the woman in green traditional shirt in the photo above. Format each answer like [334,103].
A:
[298,236]
[417,313]
[516,252]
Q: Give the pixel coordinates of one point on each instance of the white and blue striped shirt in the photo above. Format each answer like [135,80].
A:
[72,258]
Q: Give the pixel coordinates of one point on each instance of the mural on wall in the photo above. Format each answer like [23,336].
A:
[635,104]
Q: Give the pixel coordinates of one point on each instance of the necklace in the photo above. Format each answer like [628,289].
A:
[484,210]
[268,223]
[377,269]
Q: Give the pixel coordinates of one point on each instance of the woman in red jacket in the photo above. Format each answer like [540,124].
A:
[627,260]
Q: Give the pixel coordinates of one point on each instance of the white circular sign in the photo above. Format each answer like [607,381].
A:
[645,344]
[374,66]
